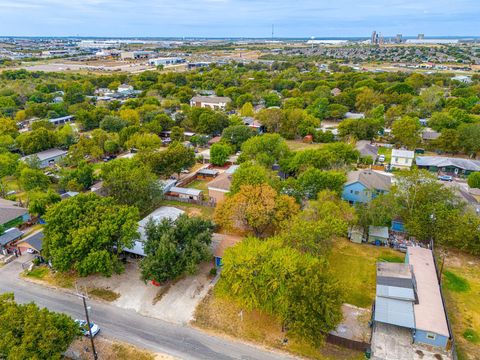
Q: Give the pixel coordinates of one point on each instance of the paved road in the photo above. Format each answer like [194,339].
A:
[128,326]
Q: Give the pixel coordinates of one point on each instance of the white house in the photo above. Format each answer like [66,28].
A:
[462,78]
[401,159]
[212,102]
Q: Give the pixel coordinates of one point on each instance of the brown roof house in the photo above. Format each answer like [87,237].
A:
[220,186]
[11,214]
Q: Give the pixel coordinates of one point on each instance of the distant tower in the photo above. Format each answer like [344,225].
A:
[421,36]
[380,40]
[374,39]
[273,29]
[398,39]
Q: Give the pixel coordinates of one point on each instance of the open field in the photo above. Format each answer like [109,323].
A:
[354,266]
[461,287]
[199,184]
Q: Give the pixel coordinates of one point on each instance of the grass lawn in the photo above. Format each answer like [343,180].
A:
[221,315]
[199,184]
[461,288]
[43,273]
[354,266]
[385,151]
[191,209]
[295,145]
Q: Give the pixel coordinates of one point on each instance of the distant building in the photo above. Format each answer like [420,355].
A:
[47,157]
[166,61]
[355,116]
[135,55]
[401,159]
[398,38]
[462,78]
[421,36]
[61,120]
[124,88]
[448,165]
[185,193]
[363,186]
[429,135]
[335,91]
[212,102]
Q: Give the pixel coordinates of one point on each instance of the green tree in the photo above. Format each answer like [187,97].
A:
[237,135]
[130,182]
[468,135]
[78,179]
[87,232]
[33,179]
[112,123]
[8,163]
[448,141]
[247,109]
[406,131]
[29,332]
[296,288]
[219,153]
[249,173]
[36,141]
[267,149]
[312,181]
[174,248]
[40,201]
[474,180]
[177,134]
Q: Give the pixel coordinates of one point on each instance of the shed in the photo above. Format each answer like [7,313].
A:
[378,235]
[398,225]
[206,173]
[185,193]
[355,234]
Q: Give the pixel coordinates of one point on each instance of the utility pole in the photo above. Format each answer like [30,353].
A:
[84,298]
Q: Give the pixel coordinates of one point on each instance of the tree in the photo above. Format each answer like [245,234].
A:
[176,158]
[406,131]
[39,201]
[112,123]
[468,135]
[474,180]
[271,119]
[258,209]
[267,149]
[36,141]
[143,141]
[29,332]
[219,153]
[8,163]
[247,109]
[312,181]
[174,248]
[448,141]
[87,232]
[130,182]
[78,179]
[366,100]
[177,134]
[237,135]
[249,173]
[33,179]
[296,288]
[361,129]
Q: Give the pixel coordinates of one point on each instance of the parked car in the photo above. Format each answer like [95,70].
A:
[445,178]
[84,328]
[381,158]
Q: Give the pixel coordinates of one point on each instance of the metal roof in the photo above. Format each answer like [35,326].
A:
[36,241]
[394,311]
[378,231]
[207,172]
[47,154]
[185,191]
[9,236]
[438,161]
[394,292]
[63,118]
[403,153]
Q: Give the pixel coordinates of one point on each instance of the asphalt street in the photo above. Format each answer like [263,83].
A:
[128,326]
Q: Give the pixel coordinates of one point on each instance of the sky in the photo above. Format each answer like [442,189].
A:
[238,18]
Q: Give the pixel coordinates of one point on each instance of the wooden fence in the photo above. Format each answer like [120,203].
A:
[190,201]
[348,343]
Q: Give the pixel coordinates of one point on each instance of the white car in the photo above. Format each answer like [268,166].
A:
[84,328]
[381,158]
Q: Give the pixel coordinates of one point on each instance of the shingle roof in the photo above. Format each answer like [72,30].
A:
[366,149]
[10,211]
[36,241]
[222,182]
[211,99]
[430,135]
[9,236]
[438,161]
[370,179]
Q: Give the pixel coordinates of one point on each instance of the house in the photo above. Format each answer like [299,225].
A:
[462,78]
[401,159]
[409,304]
[355,234]
[212,102]
[447,165]
[219,187]
[354,116]
[363,186]
[214,140]
[207,174]
[429,135]
[124,88]
[61,120]
[185,193]
[367,149]
[47,158]
[68,195]
[252,123]
[220,243]
[167,185]
[378,235]
[163,212]
[8,237]
[335,91]
[34,242]
[12,214]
